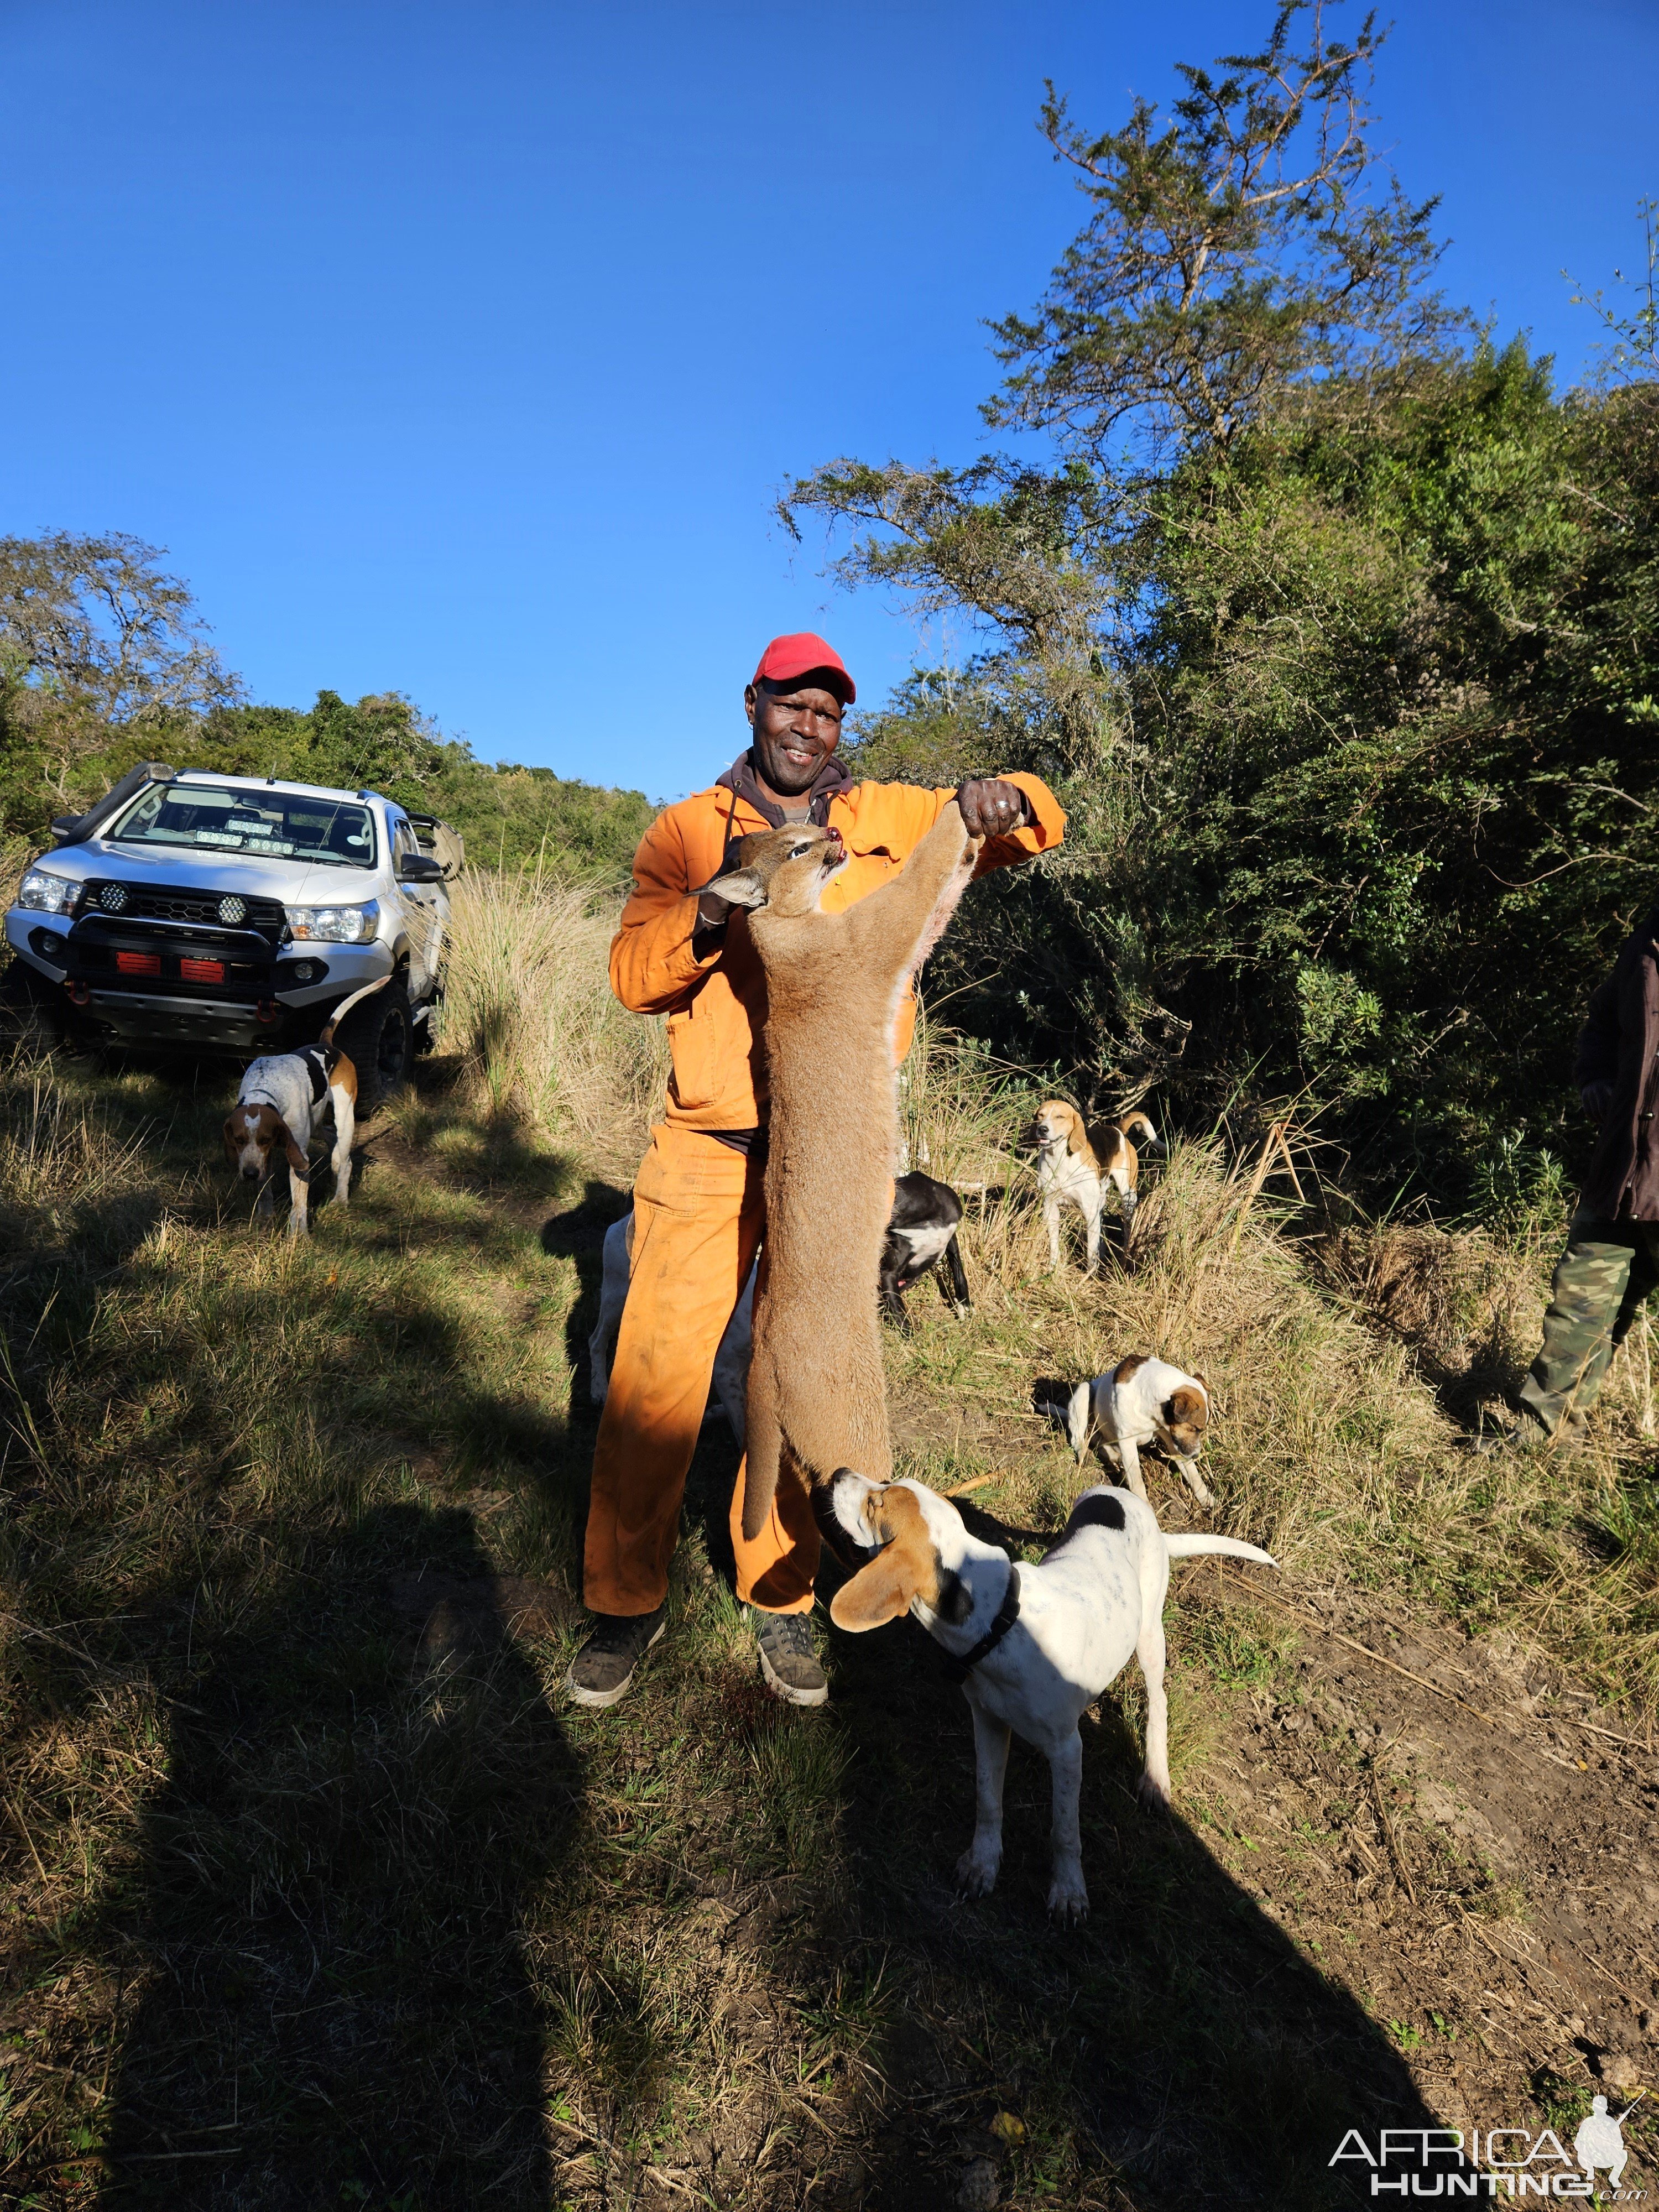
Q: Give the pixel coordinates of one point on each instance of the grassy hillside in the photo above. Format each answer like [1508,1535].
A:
[315,1891]
[511,816]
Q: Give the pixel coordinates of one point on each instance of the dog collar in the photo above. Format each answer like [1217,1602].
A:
[1007,1614]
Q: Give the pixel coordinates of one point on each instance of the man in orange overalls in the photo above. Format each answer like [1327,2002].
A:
[698,1207]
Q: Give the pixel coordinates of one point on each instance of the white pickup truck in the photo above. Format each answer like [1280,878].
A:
[229,912]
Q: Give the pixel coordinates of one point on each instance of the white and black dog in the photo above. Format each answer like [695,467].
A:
[284,1099]
[1034,1646]
[921,1232]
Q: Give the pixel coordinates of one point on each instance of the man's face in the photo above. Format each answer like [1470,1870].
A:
[796,729]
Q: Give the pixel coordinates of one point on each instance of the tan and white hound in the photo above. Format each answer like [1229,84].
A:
[284,1099]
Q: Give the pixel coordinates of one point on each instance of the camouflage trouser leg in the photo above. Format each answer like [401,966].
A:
[1602,1280]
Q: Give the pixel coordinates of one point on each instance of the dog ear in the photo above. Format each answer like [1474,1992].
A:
[904,1569]
[876,1594]
[742,887]
[284,1136]
[230,1140]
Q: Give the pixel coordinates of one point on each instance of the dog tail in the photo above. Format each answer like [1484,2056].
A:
[345,1006]
[1226,1547]
[1142,1122]
[1078,1409]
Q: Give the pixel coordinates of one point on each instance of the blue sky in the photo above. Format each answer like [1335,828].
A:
[460,349]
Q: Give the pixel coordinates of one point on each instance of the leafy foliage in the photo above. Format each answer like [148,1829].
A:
[1341,648]
[1238,250]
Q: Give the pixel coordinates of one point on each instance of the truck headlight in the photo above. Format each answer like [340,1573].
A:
[336,925]
[44,893]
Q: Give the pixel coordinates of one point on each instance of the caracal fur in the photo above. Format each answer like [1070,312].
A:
[834,983]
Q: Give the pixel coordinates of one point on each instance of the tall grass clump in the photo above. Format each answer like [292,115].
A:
[530,1009]
[1346,1370]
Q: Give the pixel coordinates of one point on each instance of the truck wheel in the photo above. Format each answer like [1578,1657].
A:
[375,1038]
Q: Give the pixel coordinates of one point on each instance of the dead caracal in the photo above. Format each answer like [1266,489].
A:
[834,982]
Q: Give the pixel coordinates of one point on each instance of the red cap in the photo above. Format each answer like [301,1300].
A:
[805,653]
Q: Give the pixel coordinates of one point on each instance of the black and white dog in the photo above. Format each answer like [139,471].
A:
[921,1232]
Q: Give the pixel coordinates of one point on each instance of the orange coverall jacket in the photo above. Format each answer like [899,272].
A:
[699,1206]
[716,1006]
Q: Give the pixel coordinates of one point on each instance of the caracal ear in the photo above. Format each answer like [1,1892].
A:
[742,887]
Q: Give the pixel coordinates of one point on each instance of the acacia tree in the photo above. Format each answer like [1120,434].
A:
[1249,243]
[98,643]
[1249,251]
[1250,248]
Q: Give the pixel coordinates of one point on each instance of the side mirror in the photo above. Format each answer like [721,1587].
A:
[418,868]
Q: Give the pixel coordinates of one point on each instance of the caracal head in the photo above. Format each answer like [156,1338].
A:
[782,870]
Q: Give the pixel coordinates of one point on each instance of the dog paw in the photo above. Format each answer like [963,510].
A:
[1153,1797]
[976,1877]
[1068,1900]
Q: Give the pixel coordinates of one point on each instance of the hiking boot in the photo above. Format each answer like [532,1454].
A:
[787,1659]
[1528,1434]
[601,1671]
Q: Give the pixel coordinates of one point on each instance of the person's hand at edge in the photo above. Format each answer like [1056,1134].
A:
[990,807]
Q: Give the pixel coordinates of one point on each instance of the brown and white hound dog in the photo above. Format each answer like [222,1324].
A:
[1132,1404]
[1071,1172]
[1032,1646]
[284,1099]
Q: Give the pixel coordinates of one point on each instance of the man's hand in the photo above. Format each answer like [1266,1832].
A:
[1597,1100]
[708,929]
[990,808]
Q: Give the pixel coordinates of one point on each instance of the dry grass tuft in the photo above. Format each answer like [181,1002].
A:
[530,1007]
[57,1153]
[1346,1376]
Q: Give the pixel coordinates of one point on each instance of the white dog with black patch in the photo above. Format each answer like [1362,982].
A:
[1034,1646]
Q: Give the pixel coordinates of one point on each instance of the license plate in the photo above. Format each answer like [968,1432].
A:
[202,971]
[139,963]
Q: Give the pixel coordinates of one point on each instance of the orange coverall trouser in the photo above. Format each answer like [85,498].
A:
[698,1210]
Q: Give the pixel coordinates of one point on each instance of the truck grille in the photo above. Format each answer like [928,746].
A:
[198,909]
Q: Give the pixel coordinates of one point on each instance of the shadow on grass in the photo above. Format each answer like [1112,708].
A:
[578,1234]
[291,1824]
[330,1892]
[1178,2048]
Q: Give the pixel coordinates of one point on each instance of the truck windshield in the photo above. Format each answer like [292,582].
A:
[283,825]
